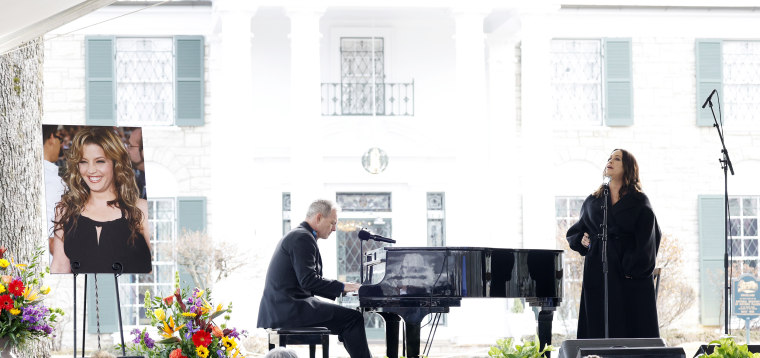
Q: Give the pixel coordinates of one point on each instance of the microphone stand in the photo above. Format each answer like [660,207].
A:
[605,267]
[725,164]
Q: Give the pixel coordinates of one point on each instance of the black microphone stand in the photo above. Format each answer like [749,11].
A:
[605,268]
[725,164]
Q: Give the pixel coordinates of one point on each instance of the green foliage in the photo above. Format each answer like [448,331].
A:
[506,348]
[727,348]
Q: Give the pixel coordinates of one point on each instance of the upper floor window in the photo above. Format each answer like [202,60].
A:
[138,81]
[591,81]
[144,81]
[741,80]
[363,90]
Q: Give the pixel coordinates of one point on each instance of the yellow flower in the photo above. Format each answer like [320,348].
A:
[15,311]
[202,351]
[188,314]
[45,290]
[2,288]
[160,314]
[4,263]
[206,306]
[200,293]
[168,329]
[219,308]
[30,295]
[229,343]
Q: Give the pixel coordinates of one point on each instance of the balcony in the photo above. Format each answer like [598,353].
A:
[368,99]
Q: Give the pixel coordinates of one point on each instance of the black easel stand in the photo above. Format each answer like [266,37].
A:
[605,268]
[725,164]
[118,269]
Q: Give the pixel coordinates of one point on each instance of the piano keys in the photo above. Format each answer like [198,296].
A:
[412,282]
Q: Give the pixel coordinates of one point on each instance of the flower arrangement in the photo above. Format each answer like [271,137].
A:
[185,322]
[23,317]
[727,347]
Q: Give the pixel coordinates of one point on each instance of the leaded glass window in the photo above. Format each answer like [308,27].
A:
[364,201]
[436,229]
[286,225]
[362,68]
[361,210]
[741,81]
[743,240]
[160,282]
[576,81]
[567,213]
[144,81]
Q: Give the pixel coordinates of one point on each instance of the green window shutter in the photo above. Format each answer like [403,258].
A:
[191,216]
[106,306]
[712,221]
[189,71]
[100,84]
[618,82]
[709,77]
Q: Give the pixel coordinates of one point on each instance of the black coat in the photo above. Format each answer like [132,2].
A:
[634,238]
[293,279]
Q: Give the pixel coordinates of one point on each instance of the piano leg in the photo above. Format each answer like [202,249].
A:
[391,333]
[412,339]
[545,329]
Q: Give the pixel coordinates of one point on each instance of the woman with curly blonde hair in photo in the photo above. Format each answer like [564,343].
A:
[100,223]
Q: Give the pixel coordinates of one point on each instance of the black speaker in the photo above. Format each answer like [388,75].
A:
[570,347]
[705,349]
[645,352]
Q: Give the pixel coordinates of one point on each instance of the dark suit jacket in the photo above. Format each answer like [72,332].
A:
[293,279]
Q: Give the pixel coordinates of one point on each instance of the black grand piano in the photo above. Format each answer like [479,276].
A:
[412,282]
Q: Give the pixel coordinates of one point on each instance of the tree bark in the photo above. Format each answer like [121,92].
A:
[21,229]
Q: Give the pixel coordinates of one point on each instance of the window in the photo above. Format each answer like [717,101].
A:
[576,78]
[741,81]
[363,89]
[361,210]
[591,81]
[160,282]
[144,81]
[567,213]
[744,213]
[436,229]
[286,225]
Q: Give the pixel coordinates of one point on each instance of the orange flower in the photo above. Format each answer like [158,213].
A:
[177,353]
[168,300]
[7,279]
[217,332]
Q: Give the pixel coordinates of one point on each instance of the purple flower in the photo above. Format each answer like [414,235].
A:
[34,314]
[220,353]
[149,342]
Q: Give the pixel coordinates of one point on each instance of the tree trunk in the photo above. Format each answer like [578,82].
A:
[21,229]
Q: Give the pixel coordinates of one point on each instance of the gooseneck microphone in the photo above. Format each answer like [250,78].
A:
[366,235]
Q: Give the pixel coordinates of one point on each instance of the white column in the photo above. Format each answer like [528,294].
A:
[307,179]
[537,154]
[502,175]
[468,201]
[232,120]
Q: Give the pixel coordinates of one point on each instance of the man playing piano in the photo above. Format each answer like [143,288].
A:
[294,277]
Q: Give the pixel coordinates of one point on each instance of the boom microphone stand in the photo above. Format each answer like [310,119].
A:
[725,164]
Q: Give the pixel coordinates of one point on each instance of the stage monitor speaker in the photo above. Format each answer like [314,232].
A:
[644,352]
[705,349]
[570,347]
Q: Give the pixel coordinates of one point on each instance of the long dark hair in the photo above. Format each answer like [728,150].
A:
[77,192]
[631,182]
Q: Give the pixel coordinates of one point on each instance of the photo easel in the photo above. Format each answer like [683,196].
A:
[117,271]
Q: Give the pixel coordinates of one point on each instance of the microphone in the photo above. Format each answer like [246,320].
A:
[606,180]
[709,97]
[365,235]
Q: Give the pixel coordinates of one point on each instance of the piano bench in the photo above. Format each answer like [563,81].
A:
[301,336]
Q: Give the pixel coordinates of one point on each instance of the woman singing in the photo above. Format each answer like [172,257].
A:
[100,220]
[633,240]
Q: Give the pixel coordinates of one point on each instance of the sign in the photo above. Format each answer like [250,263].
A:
[746,297]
